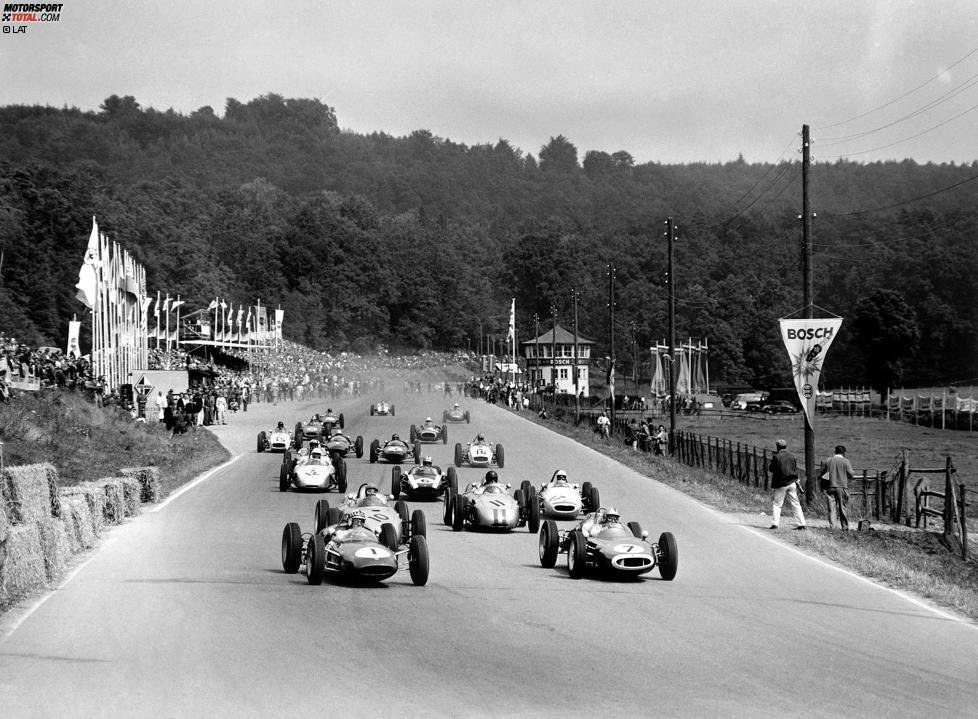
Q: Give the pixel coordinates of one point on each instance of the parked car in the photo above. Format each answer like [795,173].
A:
[779,407]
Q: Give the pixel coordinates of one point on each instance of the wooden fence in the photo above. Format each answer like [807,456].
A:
[953,506]
[873,492]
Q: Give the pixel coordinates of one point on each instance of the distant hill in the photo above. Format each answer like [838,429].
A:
[420,241]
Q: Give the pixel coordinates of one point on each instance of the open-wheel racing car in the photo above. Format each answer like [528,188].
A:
[489,505]
[479,453]
[455,414]
[601,544]
[339,444]
[560,500]
[429,432]
[313,429]
[423,481]
[275,440]
[392,524]
[330,420]
[312,469]
[382,408]
[395,450]
[350,550]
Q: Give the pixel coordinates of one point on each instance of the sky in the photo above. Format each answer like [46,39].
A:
[671,81]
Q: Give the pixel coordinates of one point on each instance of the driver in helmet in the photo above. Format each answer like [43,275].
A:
[428,422]
[455,406]
[316,455]
[480,438]
[329,412]
[371,497]
[560,478]
[351,526]
[611,519]
[427,468]
[335,431]
[280,427]
[491,482]
[395,437]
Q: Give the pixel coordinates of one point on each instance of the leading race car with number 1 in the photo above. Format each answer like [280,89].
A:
[601,544]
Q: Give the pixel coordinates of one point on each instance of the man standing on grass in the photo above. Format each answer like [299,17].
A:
[836,473]
[784,482]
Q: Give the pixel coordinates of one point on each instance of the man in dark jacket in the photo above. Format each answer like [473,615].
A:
[784,479]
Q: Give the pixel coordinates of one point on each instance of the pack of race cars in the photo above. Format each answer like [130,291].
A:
[370,536]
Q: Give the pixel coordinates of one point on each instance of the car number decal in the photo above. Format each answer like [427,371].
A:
[372,552]
[628,548]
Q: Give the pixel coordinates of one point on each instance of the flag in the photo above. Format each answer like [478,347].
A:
[212,305]
[807,342]
[240,315]
[74,327]
[279,316]
[511,336]
[176,303]
[87,275]
[156,310]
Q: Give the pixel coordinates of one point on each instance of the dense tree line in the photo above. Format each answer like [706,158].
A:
[419,241]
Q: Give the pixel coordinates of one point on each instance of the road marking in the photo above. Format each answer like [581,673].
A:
[193,483]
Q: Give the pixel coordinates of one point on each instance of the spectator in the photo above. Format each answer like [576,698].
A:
[604,426]
[836,473]
[784,483]
[221,407]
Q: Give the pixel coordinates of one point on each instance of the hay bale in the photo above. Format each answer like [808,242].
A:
[79,523]
[28,491]
[115,499]
[21,563]
[54,546]
[94,497]
[132,492]
[149,480]
[4,521]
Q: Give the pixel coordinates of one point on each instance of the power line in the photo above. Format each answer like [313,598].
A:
[905,202]
[897,99]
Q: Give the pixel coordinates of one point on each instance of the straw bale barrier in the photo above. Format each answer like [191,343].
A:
[115,499]
[22,568]
[4,521]
[132,492]
[149,480]
[94,497]
[78,521]
[31,492]
[54,546]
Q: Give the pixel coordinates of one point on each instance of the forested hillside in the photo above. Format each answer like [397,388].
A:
[414,241]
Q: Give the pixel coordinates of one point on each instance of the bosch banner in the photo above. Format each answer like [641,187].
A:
[807,342]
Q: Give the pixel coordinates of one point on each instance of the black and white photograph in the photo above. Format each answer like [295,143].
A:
[432,358]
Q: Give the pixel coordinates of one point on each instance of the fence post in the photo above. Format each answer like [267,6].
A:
[950,506]
[964,522]
[757,480]
[901,490]
[865,492]
[767,478]
[880,476]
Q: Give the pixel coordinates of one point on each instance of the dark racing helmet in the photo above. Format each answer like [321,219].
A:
[426,461]
[491,476]
[329,411]
[480,438]
[357,519]
[370,490]
[394,436]
[560,477]
[281,425]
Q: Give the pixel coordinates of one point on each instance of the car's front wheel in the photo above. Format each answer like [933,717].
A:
[548,544]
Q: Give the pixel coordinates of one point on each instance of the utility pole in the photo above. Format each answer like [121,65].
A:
[670,281]
[611,324]
[809,296]
[537,373]
[577,389]
[553,352]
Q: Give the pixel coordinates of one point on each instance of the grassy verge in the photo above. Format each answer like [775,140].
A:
[85,442]
[914,561]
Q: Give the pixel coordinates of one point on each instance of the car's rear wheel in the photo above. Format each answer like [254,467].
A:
[283,478]
[576,555]
[533,515]
[418,560]
[417,452]
[261,441]
[444,434]
[316,559]
[322,511]
[333,516]
[388,536]
[291,548]
[358,447]
[458,512]
[402,510]
[466,417]
[594,499]
[548,544]
[342,421]
[374,450]
[520,496]
[668,556]
[452,479]
[419,524]
[392,410]
[444,415]
[449,505]
[500,456]
[636,529]
[340,468]
[414,433]
[459,456]
[396,481]
[527,487]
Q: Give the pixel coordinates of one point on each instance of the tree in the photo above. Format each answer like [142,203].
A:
[889,333]
[558,155]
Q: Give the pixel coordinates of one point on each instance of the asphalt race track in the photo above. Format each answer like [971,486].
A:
[185,611]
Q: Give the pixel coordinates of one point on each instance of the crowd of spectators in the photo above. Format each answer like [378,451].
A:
[44,367]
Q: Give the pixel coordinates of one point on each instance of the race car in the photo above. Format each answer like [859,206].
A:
[312,469]
[423,481]
[479,453]
[377,513]
[455,414]
[339,444]
[560,500]
[330,420]
[351,551]
[312,429]
[429,432]
[381,408]
[395,450]
[488,505]
[274,440]
[601,544]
